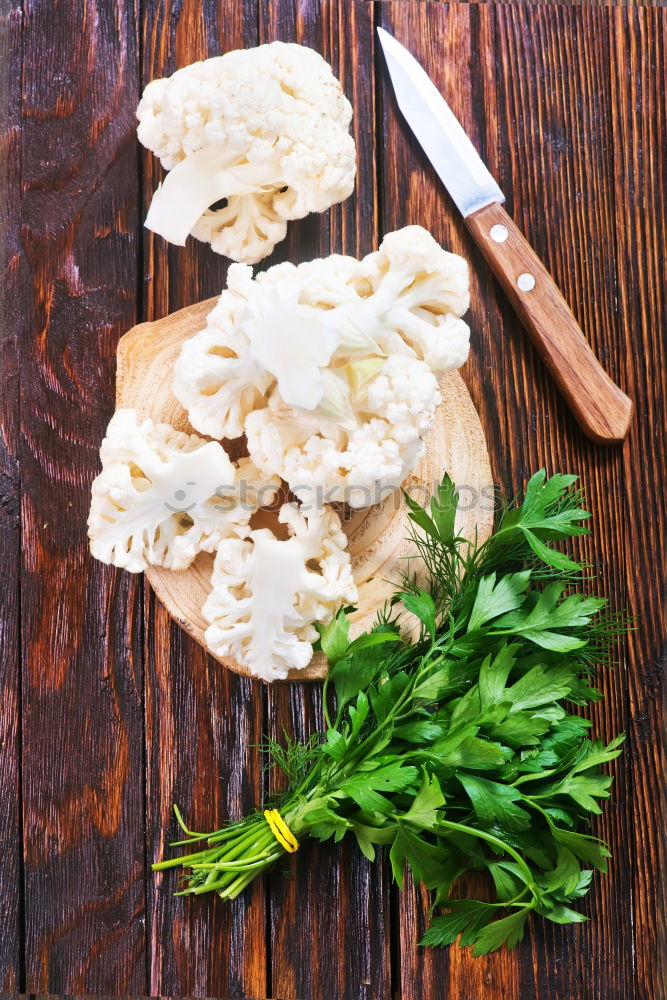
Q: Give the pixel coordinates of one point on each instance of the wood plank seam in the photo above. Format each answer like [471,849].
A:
[141,306]
[66,226]
[635,84]
[378,125]
[627,776]
[12,262]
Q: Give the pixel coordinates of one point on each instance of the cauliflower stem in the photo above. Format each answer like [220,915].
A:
[197,182]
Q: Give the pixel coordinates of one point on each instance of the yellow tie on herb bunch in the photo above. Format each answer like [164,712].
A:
[281,831]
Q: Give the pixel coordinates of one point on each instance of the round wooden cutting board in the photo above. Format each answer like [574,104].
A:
[377,536]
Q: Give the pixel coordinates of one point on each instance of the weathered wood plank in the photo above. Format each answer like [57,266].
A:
[203,723]
[455,44]
[542,3]
[11,292]
[80,622]
[329,921]
[531,88]
[560,168]
[638,48]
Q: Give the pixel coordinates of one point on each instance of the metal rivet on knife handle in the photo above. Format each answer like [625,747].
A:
[526,282]
[498,234]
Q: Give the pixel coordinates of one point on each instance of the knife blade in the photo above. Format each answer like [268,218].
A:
[602,409]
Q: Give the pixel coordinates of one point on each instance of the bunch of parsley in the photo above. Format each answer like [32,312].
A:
[460,751]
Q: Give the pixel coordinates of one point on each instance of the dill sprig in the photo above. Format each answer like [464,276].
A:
[292,757]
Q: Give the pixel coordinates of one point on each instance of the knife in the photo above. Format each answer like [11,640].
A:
[602,410]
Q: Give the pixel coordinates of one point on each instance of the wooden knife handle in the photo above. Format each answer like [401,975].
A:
[603,410]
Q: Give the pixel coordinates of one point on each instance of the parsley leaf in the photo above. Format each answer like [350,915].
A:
[496,598]
[466,916]
[424,858]
[508,931]
[423,811]
[423,606]
[334,637]
[494,802]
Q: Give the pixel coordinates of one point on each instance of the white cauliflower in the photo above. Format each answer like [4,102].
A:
[268,593]
[419,293]
[264,129]
[215,378]
[163,496]
[331,367]
[343,461]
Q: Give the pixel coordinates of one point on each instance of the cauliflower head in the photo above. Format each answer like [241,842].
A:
[331,367]
[267,592]
[264,130]
[357,460]
[164,496]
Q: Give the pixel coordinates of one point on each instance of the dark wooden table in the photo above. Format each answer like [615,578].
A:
[108,712]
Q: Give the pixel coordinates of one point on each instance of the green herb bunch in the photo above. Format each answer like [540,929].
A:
[459,751]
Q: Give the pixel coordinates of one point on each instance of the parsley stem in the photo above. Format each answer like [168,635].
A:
[505,847]
[160,866]
[325,700]
[237,866]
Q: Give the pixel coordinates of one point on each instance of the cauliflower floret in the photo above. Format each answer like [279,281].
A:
[228,513]
[335,462]
[163,496]
[296,327]
[331,367]
[215,377]
[220,376]
[266,129]
[268,593]
[420,291]
[243,228]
